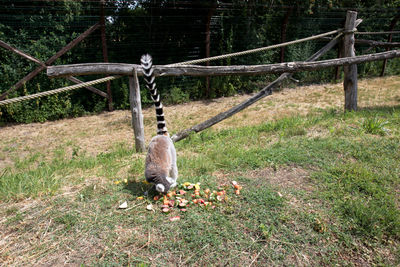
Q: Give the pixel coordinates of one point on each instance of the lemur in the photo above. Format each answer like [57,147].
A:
[160,167]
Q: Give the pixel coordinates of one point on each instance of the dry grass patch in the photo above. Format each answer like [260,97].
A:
[99,133]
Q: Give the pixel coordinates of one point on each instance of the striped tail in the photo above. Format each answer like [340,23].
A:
[147,64]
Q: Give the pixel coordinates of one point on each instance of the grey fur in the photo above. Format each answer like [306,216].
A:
[160,168]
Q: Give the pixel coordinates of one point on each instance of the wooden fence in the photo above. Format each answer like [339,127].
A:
[348,59]
[349,62]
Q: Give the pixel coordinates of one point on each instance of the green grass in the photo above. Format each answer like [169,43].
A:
[375,125]
[345,212]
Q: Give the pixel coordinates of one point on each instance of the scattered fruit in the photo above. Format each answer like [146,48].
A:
[238,187]
[175,218]
[165,210]
[319,226]
[123,205]
[166,200]
[203,198]
[171,194]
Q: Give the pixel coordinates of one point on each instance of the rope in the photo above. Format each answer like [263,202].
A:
[56,91]
[256,50]
[374,33]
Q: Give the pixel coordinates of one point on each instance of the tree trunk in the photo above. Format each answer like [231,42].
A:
[391,28]
[105,54]
[208,33]
[284,31]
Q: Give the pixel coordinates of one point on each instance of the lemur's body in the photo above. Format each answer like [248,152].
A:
[160,168]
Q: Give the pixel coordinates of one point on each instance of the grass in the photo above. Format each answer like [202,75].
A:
[320,188]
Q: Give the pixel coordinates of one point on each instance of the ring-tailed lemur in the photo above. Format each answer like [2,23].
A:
[160,168]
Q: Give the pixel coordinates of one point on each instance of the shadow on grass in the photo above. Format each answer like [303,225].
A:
[138,189]
[383,109]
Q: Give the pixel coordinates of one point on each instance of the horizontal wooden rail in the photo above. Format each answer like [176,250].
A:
[194,70]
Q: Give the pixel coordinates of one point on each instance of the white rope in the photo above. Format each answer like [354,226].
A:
[196,61]
[56,91]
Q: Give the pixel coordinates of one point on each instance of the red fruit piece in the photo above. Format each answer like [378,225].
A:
[165,210]
[238,187]
[165,201]
[175,218]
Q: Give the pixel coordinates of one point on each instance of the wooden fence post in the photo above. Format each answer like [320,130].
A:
[350,72]
[136,109]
